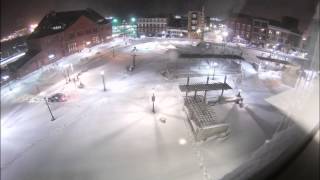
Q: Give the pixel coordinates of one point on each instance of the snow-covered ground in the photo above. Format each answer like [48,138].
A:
[113,134]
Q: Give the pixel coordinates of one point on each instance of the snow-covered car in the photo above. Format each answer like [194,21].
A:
[58,97]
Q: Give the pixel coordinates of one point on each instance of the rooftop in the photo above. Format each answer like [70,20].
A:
[55,22]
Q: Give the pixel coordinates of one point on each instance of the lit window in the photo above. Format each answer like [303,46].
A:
[51,56]
[56,27]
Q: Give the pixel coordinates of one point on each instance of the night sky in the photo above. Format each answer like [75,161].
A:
[19,13]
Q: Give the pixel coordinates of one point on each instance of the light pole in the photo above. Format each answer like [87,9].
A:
[134,56]
[102,76]
[214,69]
[112,51]
[153,98]
[52,117]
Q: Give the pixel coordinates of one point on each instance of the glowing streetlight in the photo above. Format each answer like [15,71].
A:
[115,20]
[32,27]
[5,77]
[133,19]
[225,33]
[103,81]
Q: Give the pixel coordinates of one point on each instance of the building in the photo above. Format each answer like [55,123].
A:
[281,38]
[259,31]
[195,24]
[124,28]
[240,28]
[177,26]
[151,26]
[60,34]
[264,32]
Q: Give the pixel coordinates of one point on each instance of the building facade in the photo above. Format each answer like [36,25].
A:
[240,28]
[195,24]
[63,33]
[282,39]
[264,32]
[259,31]
[151,26]
[177,26]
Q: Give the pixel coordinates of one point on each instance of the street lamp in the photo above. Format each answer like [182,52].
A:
[115,20]
[102,76]
[239,93]
[52,117]
[133,19]
[153,98]
[214,69]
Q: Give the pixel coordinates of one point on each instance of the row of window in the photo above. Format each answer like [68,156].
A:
[239,26]
[151,25]
[72,47]
[163,20]
[81,33]
[260,24]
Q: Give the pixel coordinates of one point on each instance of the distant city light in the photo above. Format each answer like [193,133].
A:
[177,17]
[88,42]
[51,56]
[5,77]
[225,34]
[304,38]
[32,27]
[182,141]
[115,20]
[133,19]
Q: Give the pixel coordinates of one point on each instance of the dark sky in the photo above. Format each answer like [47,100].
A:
[20,13]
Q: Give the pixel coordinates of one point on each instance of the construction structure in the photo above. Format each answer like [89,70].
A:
[201,116]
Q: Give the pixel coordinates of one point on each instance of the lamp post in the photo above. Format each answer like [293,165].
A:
[214,69]
[52,117]
[239,93]
[153,98]
[102,76]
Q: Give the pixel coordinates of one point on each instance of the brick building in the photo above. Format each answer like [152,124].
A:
[281,38]
[151,26]
[264,32]
[240,27]
[60,34]
[259,34]
[195,24]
